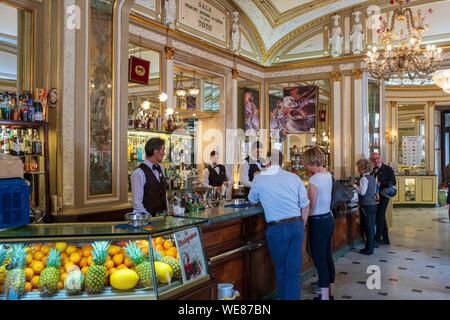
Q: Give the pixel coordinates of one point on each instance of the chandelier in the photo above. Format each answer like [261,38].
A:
[402,54]
[181,91]
[442,79]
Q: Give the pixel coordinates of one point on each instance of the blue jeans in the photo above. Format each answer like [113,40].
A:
[285,246]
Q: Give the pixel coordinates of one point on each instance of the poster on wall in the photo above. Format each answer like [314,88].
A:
[251,110]
[277,116]
[190,251]
[191,102]
[299,109]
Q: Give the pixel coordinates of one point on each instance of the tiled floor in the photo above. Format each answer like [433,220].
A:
[415,266]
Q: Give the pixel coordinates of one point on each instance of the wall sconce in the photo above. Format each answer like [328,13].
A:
[391,136]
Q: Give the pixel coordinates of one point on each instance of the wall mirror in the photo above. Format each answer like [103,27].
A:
[411,137]
[16,48]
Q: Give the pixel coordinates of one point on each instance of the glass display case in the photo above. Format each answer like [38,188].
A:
[102,260]
[410,190]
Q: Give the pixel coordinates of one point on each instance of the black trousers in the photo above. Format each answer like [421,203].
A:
[369,213]
[320,240]
[382,229]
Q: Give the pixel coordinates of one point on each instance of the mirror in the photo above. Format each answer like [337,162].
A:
[15,49]
[411,137]
[143,99]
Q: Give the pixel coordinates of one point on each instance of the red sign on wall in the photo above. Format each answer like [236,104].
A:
[138,70]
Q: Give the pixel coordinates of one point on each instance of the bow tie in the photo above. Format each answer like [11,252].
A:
[157,167]
[216,166]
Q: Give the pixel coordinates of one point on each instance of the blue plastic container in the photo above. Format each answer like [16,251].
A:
[14,203]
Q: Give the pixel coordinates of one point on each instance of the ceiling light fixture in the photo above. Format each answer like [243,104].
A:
[180,91]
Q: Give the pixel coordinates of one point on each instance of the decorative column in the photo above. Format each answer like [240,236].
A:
[336,125]
[430,160]
[347,126]
[170,52]
[360,118]
[234,117]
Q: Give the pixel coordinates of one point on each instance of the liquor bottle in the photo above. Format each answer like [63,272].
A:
[151,122]
[14,109]
[31,110]
[170,124]
[38,111]
[23,149]
[27,142]
[6,107]
[5,141]
[14,144]
[36,144]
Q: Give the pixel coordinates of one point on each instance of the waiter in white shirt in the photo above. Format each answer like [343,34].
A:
[251,166]
[148,184]
[215,174]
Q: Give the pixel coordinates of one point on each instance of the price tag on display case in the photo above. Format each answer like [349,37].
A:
[190,251]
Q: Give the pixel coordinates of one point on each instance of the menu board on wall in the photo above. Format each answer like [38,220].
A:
[204,17]
[190,251]
[412,150]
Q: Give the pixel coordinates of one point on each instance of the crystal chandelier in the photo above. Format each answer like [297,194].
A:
[181,92]
[442,79]
[194,90]
[402,52]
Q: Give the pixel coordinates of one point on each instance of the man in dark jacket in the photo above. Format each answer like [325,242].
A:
[386,179]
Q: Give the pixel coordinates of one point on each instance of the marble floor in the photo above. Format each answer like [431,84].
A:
[416,265]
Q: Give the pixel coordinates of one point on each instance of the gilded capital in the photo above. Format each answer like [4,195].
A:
[235,74]
[357,73]
[336,76]
[170,52]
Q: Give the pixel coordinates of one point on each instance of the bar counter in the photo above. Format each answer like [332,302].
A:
[234,242]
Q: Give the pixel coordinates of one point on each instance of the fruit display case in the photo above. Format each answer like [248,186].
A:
[102,261]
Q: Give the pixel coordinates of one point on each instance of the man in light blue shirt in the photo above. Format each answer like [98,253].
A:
[286,207]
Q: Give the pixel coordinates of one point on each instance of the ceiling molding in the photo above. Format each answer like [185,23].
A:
[277,18]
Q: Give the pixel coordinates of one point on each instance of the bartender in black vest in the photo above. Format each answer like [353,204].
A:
[251,166]
[147,181]
[215,174]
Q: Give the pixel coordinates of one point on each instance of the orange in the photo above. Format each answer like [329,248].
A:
[60,285]
[64,256]
[172,252]
[36,247]
[159,240]
[35,282]
[63,277]
[108,257]
[44,260]
[68,265]
[168,244]
[145,250]
[29,273]
[62,270]
[70,250]
[61,246]
[144,243]
[45,249]
[37,267]
[75,257]
[109,264]
[83,262]
[28,287]
[29,259]
[90,261]
[113,250]
[128,262]
[85,269]
[159,247]
[111,271]
[122,266]
[87,251]
[118,259]
[39,255]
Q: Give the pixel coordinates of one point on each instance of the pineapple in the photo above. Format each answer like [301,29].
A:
[142,263]
[15,278]
[48,281]
[97,273]
[3,263]
[174,264]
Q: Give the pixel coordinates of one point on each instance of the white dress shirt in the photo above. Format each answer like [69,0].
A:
[281,193]
[217,169]
[138,181]
[363,184]
[243,172]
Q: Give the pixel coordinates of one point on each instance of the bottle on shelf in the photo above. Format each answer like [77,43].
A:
[14,144]
[36,144]
[169,124]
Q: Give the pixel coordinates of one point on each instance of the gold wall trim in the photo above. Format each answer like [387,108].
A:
[170,52]
[336,76]
[235,74]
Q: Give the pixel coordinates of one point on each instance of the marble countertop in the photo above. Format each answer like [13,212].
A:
[223,214]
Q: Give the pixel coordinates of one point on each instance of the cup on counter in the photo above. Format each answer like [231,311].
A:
[178,210]
[225,290]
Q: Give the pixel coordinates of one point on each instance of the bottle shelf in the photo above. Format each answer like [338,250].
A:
[159,132]
[29,124]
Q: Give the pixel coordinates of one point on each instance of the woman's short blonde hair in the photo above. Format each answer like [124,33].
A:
[365,165]
[314,157]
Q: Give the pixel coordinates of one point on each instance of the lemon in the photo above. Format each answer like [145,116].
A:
[164,272]
[124,279]
[61,246]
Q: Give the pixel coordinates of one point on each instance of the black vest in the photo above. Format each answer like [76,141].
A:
[216,180]
[252,168]
[154,192]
